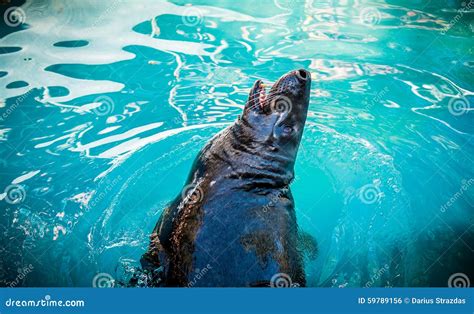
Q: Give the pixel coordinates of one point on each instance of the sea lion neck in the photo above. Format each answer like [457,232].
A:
[255,164]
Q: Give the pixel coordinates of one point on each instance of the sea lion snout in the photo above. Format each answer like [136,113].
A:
[303,74]
[295,83]
[292,88]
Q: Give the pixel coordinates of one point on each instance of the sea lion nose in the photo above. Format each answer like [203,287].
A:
[302,74]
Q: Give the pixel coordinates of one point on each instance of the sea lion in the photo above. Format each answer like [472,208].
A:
[234,224]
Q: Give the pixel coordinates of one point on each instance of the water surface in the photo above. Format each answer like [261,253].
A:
[104,106]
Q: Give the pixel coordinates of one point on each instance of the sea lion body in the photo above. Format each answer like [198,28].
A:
[234,224]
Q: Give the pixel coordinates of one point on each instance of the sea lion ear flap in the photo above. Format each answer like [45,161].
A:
[253,102]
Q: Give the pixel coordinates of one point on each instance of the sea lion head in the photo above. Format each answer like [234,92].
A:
[272,124]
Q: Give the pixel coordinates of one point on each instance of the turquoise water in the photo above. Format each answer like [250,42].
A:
[104,106]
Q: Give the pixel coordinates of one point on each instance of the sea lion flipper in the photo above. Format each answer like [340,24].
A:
[154,261]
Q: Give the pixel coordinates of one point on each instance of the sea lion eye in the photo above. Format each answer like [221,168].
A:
[287,130]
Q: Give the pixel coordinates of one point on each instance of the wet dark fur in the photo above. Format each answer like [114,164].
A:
[235,218]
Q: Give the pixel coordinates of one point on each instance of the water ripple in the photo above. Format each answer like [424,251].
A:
[105,105]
